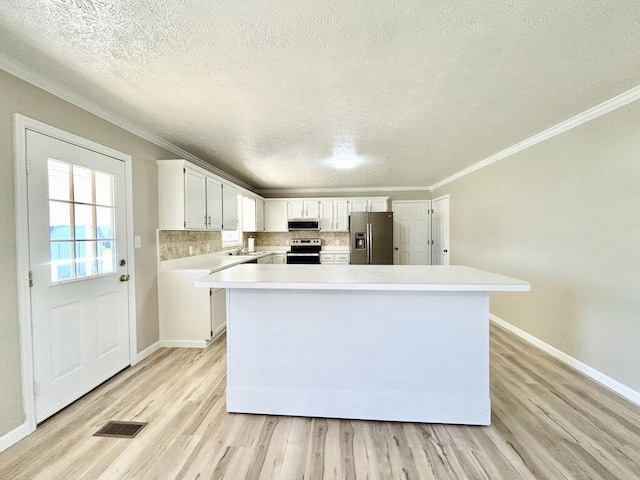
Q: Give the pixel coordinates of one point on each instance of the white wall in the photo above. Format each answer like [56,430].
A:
[565,215]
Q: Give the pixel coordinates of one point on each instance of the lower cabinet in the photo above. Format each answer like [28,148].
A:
[278,258]
[335,258]
[189,316]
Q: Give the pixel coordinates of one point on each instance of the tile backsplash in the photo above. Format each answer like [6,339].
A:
[175,243]
[269,239]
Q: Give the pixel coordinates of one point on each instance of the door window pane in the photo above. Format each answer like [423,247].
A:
[61,261]
[85,259]
[84,227]
[81,221]
[59,180]
[82,184]
[106,257]
[104,221]
[60,221]
[104,189]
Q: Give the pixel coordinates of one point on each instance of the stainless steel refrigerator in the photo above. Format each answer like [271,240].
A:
[371,238]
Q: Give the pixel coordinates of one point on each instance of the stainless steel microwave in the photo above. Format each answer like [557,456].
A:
[304,224]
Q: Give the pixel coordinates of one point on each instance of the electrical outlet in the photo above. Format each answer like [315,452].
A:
[190,250]
[208,248]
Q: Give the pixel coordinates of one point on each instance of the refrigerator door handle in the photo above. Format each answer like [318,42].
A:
[369,242]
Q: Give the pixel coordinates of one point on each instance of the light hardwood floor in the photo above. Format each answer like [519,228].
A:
[549,422]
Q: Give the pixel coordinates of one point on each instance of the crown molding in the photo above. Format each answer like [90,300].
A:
[278,191]
[29,75]
[605,107]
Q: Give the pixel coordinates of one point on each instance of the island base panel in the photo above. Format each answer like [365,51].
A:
[398,356]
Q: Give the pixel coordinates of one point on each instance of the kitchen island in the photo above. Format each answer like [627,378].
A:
[388,342]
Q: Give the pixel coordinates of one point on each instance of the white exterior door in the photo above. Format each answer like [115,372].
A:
[411,232]
[77,249]
[440,231]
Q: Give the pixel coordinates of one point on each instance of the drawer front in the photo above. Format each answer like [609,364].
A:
[342,258]
[327,258]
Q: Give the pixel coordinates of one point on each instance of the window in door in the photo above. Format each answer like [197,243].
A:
[82,237]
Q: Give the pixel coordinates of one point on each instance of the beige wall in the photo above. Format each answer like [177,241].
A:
[565,215]
[17,96]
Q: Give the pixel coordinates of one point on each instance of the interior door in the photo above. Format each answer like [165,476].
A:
[440,231]
[77,249]
[411,232]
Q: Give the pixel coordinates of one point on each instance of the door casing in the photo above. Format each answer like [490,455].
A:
[21,125]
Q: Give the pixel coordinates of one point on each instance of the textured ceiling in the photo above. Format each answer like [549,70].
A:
[271,91]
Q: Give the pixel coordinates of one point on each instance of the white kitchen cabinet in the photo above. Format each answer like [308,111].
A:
[214,204]
[188,198]
[267,259]
[218,306]
[358,205]
[327,259]
[326,221]
[252,214]
[278,258]
[334,215]
[340,215]
[334,258]
[229,208]
[373,204]
[342,258]
[378,205]
[303,208]
[195,200]
[259,215]
[189,316]
[275,216]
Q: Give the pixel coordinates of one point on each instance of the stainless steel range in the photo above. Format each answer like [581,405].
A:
[305,251]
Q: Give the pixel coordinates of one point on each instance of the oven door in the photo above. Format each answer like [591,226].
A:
[303,258]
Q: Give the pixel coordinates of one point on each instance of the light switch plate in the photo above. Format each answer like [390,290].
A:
[137,241]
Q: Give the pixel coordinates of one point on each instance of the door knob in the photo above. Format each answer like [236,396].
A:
[124,278]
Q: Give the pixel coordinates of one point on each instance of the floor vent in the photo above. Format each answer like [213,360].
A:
[120,429]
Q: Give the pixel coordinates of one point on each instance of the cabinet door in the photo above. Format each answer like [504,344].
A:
[326,216]
[248,214]
[229,208]
[311,209]
[277,258]
[341,215]
[275,216]
[214,204]
[358,205]
[377,205]
[194,200]
[295,208]
[259,215]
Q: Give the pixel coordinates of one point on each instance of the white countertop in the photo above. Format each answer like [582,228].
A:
[207,263]
[362,277]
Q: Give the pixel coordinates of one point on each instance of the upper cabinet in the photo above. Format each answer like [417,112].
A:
[275,216]
[372,204]
[334,215]
[252,214]
[188,198]
[299,208]
[229,208]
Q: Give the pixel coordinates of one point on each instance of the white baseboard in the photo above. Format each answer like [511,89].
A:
[148,351]
[184,343]
[591,372]
[14,436]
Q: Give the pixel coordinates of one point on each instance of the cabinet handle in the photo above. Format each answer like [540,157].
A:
[209,220]
[205,220]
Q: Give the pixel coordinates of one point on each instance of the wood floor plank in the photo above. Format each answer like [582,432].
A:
[548,422]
